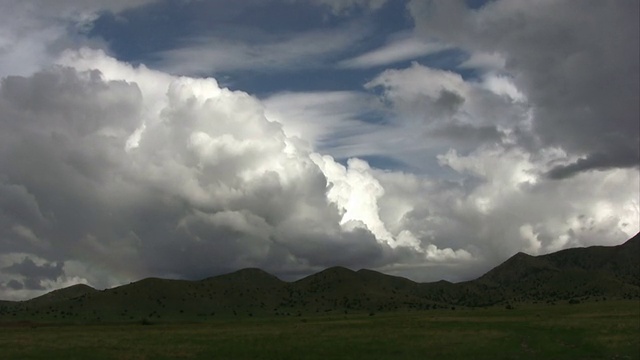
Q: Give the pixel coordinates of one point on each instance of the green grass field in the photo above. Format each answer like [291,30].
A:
[604,330]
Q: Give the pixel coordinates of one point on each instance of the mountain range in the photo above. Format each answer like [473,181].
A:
[596,273]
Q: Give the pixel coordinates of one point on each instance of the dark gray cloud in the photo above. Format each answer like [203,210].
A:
[578,67]
[595,161]
[448,102]
[15,285]
[18,205]
[33,274]
[29,269]
[467,133]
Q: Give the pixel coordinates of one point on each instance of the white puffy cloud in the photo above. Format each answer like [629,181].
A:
[151,174]
[513,193]
[428,95]
[500,203]
[355,192]
[434,110]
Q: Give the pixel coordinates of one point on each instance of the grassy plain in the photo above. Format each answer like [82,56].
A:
[595,330]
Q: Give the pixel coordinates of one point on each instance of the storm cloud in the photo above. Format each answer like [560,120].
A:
[578,68]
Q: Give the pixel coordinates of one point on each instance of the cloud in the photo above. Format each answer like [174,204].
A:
[511,184]
[406,115]
[27,275]
[34,273]
[15,285]
[24,276]
[32,33]
[447,110]
[502,85]
[481,130]
[336,123]
[25,39]
[579,71]
[293,51]
[55,8]
[355,192]
[484,61]
[465,132]
[399,49]
[594,161]
[343,7]
[149,174]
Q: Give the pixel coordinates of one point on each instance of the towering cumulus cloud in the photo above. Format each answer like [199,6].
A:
[130,172]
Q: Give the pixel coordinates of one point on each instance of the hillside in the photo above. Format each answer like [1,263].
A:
[67,293]
[595,273]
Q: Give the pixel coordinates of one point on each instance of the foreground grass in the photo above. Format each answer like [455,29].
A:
[605,330]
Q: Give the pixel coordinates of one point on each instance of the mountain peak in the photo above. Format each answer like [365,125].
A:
[251,272]
[339,269]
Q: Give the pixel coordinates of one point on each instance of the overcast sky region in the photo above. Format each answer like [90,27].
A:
[425,139]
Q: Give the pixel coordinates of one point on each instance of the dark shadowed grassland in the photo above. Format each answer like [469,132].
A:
[598,330]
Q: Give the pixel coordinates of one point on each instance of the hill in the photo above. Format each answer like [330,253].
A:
[595,273]
[67,293]
[578,273]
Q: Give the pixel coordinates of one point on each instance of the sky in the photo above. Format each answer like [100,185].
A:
[427,139]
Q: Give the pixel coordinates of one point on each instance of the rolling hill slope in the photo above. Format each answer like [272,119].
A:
[595,273]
